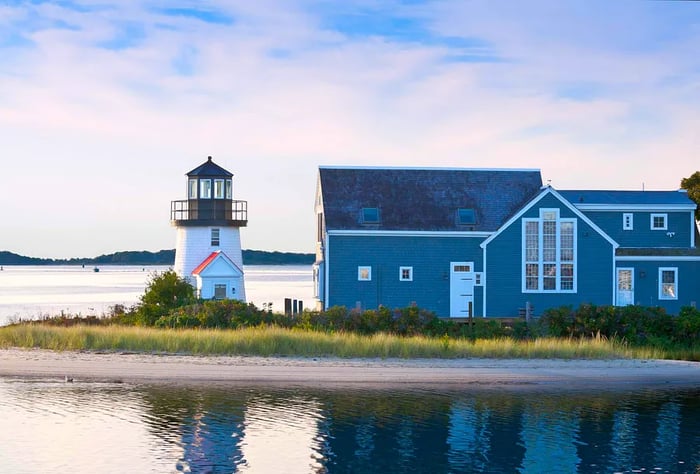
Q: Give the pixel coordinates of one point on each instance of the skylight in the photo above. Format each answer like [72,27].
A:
[466,216]
[370,215]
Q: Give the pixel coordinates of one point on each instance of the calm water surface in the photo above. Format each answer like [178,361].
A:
[52,426]
[33,291]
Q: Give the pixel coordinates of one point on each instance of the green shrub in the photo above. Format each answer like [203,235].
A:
[687,328]
[164,292]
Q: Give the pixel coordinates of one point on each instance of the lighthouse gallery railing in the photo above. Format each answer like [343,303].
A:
[210,210]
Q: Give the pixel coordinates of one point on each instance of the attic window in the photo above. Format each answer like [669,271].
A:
[370,215]
[466,216]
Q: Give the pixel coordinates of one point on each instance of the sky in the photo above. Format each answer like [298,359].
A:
[105,105]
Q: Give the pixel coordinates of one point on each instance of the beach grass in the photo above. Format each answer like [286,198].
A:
[275,341]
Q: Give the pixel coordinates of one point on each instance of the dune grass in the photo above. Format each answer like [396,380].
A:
[274,341]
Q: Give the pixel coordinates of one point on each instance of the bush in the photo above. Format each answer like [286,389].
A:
[164,293]
[687,328]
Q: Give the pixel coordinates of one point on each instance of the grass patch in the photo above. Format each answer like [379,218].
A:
[275,341]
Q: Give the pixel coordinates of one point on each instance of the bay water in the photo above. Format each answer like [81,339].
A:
[49,426]
[30,292]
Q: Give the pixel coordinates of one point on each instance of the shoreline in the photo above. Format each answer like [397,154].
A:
[577,374]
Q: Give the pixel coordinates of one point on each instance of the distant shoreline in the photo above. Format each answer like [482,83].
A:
[162,257]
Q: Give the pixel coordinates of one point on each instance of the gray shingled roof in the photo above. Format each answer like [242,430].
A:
[424,199]
[209,168]
[626,197]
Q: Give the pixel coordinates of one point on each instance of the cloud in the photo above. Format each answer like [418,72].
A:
[104,107]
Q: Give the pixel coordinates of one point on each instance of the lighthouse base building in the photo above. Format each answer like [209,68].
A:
[208,250]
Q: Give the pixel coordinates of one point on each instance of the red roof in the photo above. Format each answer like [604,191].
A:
[206,262]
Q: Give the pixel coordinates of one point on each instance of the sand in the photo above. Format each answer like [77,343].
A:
[129,367]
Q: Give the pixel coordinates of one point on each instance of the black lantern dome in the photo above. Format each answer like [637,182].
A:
[209,199]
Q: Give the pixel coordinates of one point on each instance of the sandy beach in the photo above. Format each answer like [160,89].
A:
[128,367]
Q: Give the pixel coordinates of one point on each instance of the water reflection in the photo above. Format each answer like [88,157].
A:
[58,427]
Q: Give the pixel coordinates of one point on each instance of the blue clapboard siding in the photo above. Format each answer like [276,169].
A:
[678,222]
[430,258]
[646,283]
[504,268]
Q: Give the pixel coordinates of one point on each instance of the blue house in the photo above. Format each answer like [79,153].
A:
[497,243]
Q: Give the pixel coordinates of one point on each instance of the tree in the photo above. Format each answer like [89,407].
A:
[165,292]
[692,184]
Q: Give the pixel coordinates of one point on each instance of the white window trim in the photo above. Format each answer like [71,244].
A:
[540,249]
[651,222]
[410,273]
[675,282]
[627,221]
[215,236]
[361,269]
[192,186]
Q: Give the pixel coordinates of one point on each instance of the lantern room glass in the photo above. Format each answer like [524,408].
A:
[205,188]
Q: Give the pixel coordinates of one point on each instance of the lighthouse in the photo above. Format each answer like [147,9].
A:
[208,248]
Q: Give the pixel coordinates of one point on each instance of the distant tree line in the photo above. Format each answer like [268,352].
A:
[162,257]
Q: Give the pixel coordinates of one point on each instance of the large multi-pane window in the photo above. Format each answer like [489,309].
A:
[549,253]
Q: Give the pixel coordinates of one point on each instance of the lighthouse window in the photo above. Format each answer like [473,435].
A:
[192,189]
[205,188]
[218,188]
[215,241]
[229,189]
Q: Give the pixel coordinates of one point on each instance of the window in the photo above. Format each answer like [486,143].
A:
[192,189]
[370,215]
[229,189]
[319,227]
[215,242]
[549,253]
[466,217]
[478,277]
[218,189]
[364,273]
[658,222]
[219,291]
[205,188]
[627,221]
[406,273]
[462,268]
[668,283]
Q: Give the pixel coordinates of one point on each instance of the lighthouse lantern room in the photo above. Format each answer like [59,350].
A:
[208,249]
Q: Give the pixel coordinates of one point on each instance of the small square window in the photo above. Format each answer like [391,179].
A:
[406,273]
[219,291]
[627,221]
[659,222]
[364,273]
[215,241]
[370,215]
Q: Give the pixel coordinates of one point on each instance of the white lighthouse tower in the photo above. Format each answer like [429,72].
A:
[208,250]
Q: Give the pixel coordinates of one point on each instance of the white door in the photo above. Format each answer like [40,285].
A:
[461,289]
[625,287]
